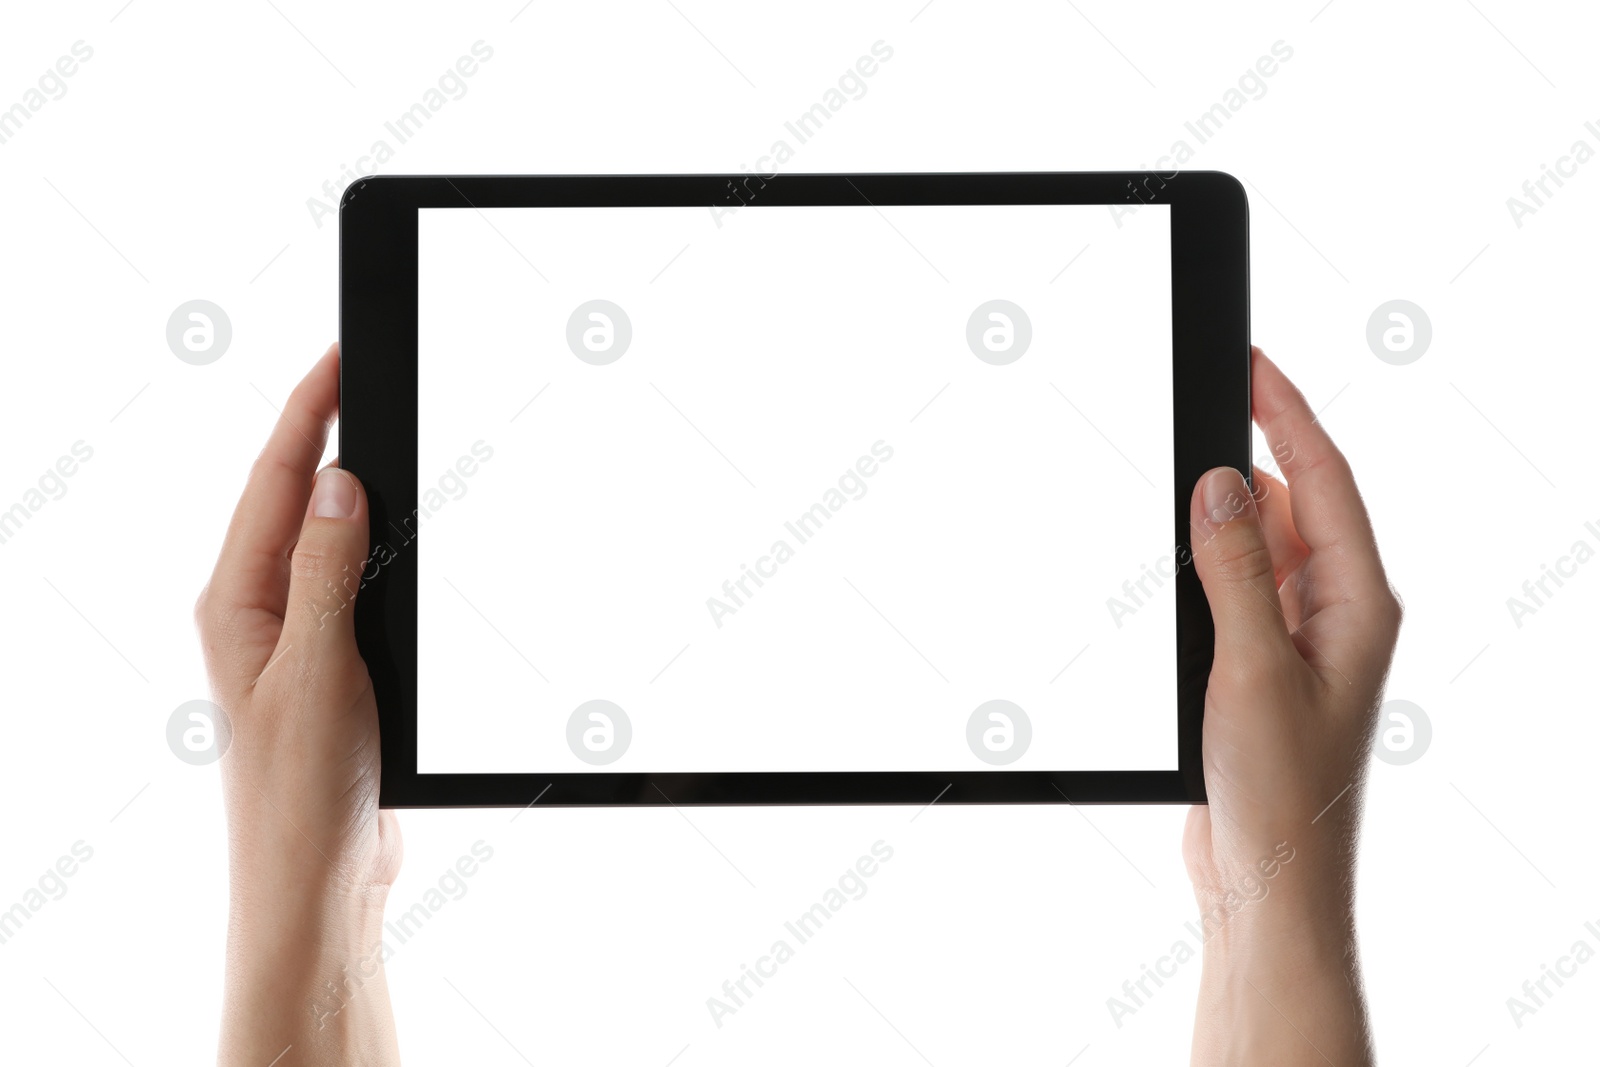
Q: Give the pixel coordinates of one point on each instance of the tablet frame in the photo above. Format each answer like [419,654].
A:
[378,222]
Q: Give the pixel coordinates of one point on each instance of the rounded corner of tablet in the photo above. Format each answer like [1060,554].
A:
[1228,188]
[360,187]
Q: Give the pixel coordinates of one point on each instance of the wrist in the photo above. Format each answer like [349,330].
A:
[1280,983]
[305,968]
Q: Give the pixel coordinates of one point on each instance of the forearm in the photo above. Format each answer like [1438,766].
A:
[305,976]
[1282,985]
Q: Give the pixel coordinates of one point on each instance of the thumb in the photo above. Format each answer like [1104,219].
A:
[325,571]
[1235,567]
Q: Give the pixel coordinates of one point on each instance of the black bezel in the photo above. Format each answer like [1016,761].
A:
[378,443]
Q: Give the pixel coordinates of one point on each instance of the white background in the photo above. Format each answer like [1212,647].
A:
[577,562]
[1379,162]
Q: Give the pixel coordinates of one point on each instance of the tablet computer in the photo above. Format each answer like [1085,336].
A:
[789,489]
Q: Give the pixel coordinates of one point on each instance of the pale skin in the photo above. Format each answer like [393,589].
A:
[310,856]
[1306,624]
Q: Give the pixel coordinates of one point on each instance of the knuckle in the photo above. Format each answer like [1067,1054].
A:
[1391,610]
[324,578]
[316,559]
[208,615]
[1244,559]
[217,622]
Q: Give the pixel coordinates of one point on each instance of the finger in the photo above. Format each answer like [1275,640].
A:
[1235,566]
[1328,513]
[252,570]
[1283,541]
[326,574]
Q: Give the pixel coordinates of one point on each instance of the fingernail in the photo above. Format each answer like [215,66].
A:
[1224,495]
[334,495]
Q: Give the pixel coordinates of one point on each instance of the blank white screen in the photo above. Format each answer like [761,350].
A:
[578,521]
